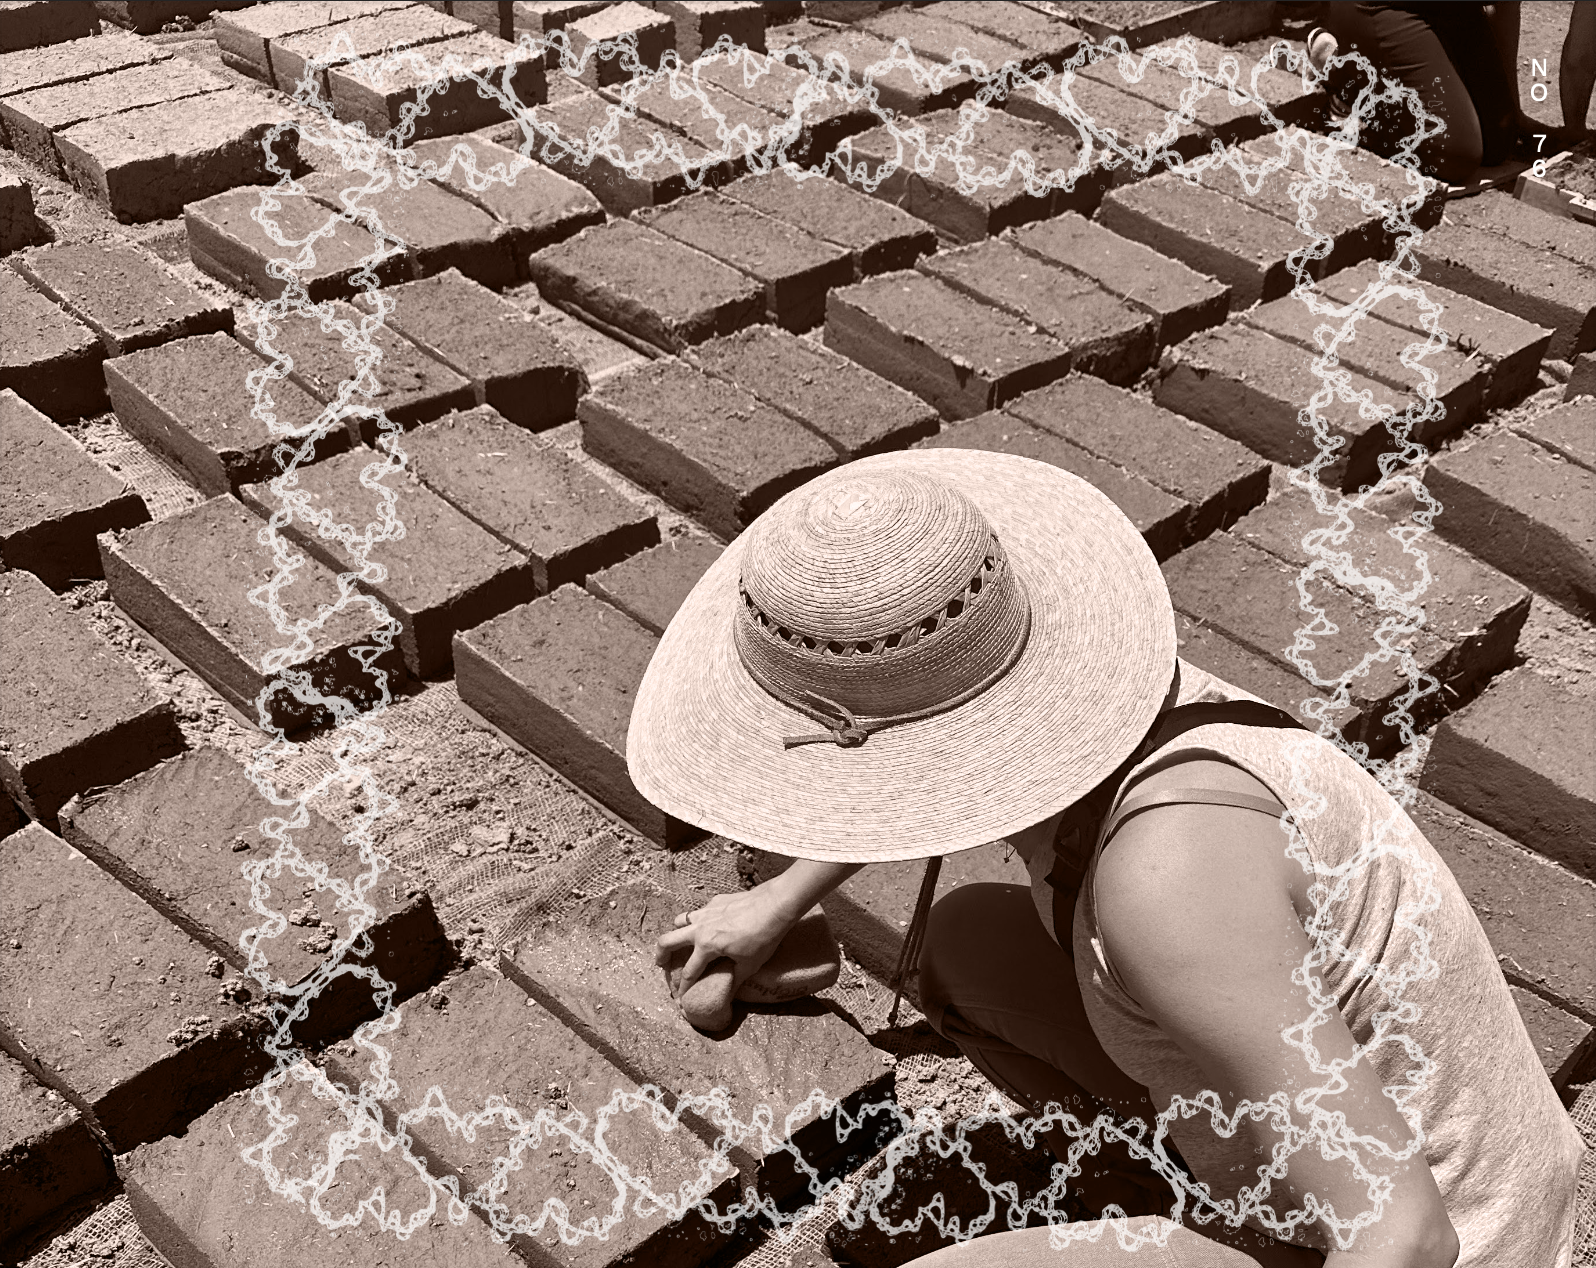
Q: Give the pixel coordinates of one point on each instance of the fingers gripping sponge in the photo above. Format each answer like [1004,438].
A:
[806,961]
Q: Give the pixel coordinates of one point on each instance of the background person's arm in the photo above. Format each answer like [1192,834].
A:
[1505,19]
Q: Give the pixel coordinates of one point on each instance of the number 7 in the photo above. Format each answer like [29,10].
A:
[1540,137]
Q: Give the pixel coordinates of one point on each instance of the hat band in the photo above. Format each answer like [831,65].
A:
[847,730]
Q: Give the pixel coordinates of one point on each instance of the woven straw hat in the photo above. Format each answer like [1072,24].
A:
[914,654]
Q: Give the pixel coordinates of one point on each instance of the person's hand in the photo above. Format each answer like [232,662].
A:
[745,928]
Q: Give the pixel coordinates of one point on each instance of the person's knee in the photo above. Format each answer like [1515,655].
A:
[954,930]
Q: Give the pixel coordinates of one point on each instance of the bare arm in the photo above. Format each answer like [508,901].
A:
[1578,70]
[1197,914]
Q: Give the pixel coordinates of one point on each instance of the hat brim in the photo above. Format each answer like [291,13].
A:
[704,741]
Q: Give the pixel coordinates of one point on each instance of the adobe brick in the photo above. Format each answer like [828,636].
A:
[54,498]
[1251,386]
[1251,597]
[185,581]
[1391,185]
[189,400]
[1528,282]
[439,229]
[542,18]
[227,243]
[1562,1042]
[1569,430]
[410,386]
[186,1193]
[599,355]
[27,69]
[538,209]
[1179,300]
[1104,336]
[445,574]
[1129,119]
[1158,517]
[641,282]
[244,38]
[47,358]
[530,495]
[179,835]
[824,123]
[853,410]
[1510,346]
[651,585]
[654,103]
[1212,110]
[655,33]
[1582,381]
[1520,758]
[1041,37]
[149,16]
[1228,22]
[10,816]
[1537,915]
[936,38]
[1244,248]
[19,224]
[31,119]
[513,362]
[794,269]
[1375,351]
[493,16]
[962,356]
[91,1015]
[843,10]
[597,975]
[373,35]
[48,1157]
[558,675]
[712,450]
[1281,90]
[1221,479]
[35,24]
[73,713]
[1524,510]
[898,90]
[1469,605]
[123,296]
[878,236]
[489,1036]
[699,24]
[1501,213]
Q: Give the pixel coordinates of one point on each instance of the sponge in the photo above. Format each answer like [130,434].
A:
[806,961]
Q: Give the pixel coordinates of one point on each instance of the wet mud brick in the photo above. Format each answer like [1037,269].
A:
[1510,346]
[179,835]
[1375,351]
[378,95]
[513,362]
[1582,382]
[794,269]
[1127,120]
[408,385]
[539,208]
[123,296]
[711,449]
[372,36]
[47,358]
[440,230]
[55,498]
[1228,20]
[1522,758]
[654,103]
[1160,518]
[558,675]
[853,410]
[73,713]
[493,16]
[149,16]
[446,573]
[244,38]
[31,119]
[541,18]
[19,224]
[878,237]
[699,24]
[938,39]
[1280,89]
[898,90]
[1104,336]
[35,23]
[773,86]
[1496,212]
[225,242]
[1537,914]
[63,63]
[48,1157]
[962,356]
[1039,37]
[490,1039]
[597,975]
[189,400]
[1564,1043]
[185,581]
[1251,597]
[1221,479]
[529,494]
[187,1193]
[1163,87]
[1244,248]
[1180,300]
[1250,386]
[1537,285]
[10,816]
[652,33]
[1467,604]
[1524,510]
[647,285]
[83,1008]
[1569,430]
[145,164]
[650,586]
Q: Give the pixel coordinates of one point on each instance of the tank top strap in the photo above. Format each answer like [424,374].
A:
[1135,804]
